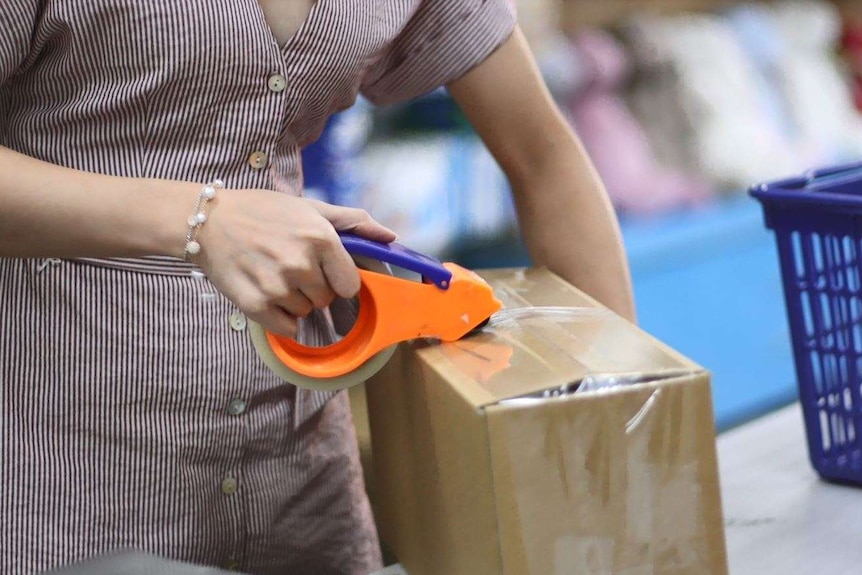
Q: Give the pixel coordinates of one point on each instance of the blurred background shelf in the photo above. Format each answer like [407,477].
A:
[579,14]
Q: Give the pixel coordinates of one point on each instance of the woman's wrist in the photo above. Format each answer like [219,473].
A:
[199,216]
[171,206]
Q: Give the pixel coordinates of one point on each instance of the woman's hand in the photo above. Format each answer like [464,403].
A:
[274,255]
[277,256]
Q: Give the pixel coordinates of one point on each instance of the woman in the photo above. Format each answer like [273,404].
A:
[135,412]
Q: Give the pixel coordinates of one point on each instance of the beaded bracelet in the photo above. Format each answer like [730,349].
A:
[199,217]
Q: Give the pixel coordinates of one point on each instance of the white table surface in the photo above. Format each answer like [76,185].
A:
[780,518]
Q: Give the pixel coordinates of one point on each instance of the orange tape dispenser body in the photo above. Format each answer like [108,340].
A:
[449,303]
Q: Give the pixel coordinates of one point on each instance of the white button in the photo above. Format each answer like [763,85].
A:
[236,406]
[237,321]
[258,160]
[276,83]
[229,485]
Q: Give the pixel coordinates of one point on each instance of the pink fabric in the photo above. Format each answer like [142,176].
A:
[616,142]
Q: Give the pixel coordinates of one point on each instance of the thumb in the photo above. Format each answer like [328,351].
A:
[356,221]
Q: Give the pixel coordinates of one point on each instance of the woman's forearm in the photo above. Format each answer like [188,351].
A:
[565,216]
[51,211]
[569,226]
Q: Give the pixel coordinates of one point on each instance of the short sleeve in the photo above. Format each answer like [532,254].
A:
[443,40]
[17,23]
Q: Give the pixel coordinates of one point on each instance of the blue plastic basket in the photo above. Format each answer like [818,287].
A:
[817,220]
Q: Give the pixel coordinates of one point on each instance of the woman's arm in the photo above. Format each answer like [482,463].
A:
[566,218]
[51,211]
[275,256]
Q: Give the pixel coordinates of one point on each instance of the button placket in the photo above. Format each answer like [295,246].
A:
[236,406]
[233,490]
[276,84]
[231,484]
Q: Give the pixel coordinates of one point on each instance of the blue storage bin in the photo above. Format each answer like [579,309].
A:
[817,221]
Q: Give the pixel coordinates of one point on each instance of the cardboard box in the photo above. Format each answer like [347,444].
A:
[486,461]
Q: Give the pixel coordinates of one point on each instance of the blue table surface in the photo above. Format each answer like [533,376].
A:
[708,283]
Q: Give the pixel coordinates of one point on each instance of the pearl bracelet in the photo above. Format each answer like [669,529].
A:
[199,217]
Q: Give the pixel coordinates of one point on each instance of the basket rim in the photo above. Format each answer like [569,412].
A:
[814,188]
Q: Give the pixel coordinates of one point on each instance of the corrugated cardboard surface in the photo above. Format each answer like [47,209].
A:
[435,501]
[548,335]
[611,483]
[476,474]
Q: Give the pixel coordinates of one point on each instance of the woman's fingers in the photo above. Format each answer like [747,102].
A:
[355,221]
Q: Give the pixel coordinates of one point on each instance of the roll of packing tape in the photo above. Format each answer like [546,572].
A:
[361,374]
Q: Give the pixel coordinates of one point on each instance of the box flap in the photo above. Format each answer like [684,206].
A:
[549,335]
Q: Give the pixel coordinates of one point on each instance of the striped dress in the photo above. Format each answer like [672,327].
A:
[134,412]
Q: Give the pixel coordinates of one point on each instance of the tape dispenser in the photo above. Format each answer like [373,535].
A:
[447,303]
